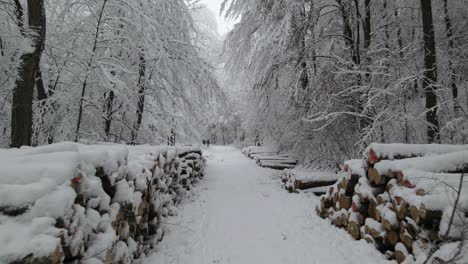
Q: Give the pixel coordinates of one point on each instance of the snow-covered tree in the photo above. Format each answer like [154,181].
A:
[326,77]
[113,70]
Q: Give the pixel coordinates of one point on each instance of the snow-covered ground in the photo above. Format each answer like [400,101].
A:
[240,214]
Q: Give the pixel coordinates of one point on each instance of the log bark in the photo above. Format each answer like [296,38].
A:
[277,166]
[303,185]
[280,161]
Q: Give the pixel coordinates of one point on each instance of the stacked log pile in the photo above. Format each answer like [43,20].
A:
[269,158]
[301,179]
[401,198]
[90,203]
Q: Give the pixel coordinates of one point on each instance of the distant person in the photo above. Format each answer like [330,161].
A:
[204,142]
[208,143]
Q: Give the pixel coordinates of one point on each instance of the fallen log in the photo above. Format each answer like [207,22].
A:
[325,203]
[344,201]
[312,184]
[388,217]
[354,166]
[401,253]
[376,178]
[13,211]
[269,161]
[405,236]
[373,228]
[320,190]
[391,238]
[383,198]
[301,179]
[377,242]
[273,157]
[354,225]
[400,207]
[358,205]
[253,155]
[453,162]
[277,166]
[428,218]
[365,190]
[372,209]
[376,152]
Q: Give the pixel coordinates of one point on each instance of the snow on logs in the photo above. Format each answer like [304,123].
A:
[302,179]
[401,198]
[90,203]
[269,158]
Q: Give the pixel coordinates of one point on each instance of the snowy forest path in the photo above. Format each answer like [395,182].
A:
[240,214]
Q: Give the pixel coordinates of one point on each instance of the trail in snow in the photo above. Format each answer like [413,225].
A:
[240,214]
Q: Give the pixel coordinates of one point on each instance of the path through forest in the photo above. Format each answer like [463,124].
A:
[240,214]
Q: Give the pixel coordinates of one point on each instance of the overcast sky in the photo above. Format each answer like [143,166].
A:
[223,25]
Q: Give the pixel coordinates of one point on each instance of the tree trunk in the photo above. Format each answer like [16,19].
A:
[22,113]
[355,54]
[41,97]
[223,131]
[358,32]
[109,112]
[83,88]
[453,81]
[235,131]
[367,25]
[171,139]
[141,97]
[2,48]
[19,13]
[348,33]
[430,73]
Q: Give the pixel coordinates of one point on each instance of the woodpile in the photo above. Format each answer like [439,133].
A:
[400,198]
[118,199]
[269,158]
